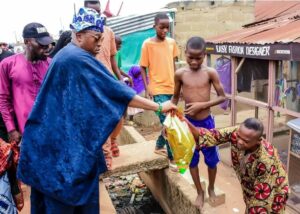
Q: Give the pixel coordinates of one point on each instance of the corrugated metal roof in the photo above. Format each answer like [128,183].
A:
[283,29]
[265,9]
[123,25]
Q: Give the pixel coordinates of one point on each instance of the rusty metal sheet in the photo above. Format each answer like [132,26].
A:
[270,9]
[283,29]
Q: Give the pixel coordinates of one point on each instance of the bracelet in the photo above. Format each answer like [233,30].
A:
[158,111]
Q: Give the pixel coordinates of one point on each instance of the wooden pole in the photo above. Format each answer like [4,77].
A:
[120,9]
[271,89]
[233,90]
[239,66]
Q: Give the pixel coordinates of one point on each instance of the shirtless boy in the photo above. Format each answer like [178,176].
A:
[195,81]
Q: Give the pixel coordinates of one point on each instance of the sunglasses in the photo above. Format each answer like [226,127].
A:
[96,37]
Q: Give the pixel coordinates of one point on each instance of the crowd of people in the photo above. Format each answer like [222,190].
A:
[64,105]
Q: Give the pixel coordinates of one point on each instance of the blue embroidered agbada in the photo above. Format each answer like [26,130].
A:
[78,106]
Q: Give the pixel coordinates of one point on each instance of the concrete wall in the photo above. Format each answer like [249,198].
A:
[171,190]
[200,18]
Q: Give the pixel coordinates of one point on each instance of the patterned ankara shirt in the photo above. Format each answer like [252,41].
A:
[262,175]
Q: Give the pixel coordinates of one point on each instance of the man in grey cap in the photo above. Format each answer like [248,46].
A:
[21,76]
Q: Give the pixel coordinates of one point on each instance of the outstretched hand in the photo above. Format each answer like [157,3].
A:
[148,94]
[130,82]
[168,106]
[194,130]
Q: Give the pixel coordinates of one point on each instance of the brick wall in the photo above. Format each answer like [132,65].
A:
[200,18]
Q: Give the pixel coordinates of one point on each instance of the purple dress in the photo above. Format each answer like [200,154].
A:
[136,75]
[223,67]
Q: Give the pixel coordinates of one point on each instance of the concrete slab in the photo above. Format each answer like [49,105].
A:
[220,195]
[188,177]
[136,158]
[130,135]
[26,194]
[106,205]
[171,190]
[149,118]
[146,119]
[176,193]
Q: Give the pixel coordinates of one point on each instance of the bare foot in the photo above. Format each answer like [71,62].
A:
[162,152]
[212,194]
[200,201]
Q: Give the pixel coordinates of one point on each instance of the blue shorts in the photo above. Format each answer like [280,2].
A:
[211,154]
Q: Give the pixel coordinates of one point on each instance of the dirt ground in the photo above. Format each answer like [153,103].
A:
[226,181]
[226,178]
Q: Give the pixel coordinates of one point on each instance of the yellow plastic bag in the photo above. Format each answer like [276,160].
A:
[181,141]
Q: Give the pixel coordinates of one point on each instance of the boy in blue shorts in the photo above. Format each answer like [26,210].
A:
[195,81]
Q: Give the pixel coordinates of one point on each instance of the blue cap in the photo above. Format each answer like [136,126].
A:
[87,19]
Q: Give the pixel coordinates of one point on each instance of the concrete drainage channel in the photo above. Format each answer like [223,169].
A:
[130,195]
[174,193]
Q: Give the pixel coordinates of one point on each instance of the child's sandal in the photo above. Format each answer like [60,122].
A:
[108,161]
[114,148]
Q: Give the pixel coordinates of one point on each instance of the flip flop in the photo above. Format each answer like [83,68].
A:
[162,152]
[114,148]
[108,161]
[173,167]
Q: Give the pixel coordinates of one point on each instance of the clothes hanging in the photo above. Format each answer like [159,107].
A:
[252,69]
[223,67]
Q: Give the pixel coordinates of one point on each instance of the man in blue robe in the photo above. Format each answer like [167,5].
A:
[77,108]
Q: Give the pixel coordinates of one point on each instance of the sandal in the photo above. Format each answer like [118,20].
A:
[162,152]
[114,148]
[173,167]
[108,161]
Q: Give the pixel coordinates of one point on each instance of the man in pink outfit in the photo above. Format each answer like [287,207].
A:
[21,76]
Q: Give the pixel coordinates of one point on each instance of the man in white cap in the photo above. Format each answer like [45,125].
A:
[77,108]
